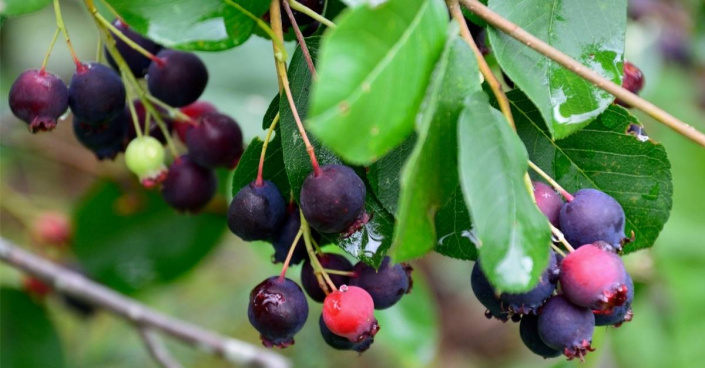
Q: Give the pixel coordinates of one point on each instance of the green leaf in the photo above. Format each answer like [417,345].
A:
[131,240]
[430,175]
[384,174]
[19,7]
[273,170]
[208,25]
[603,156]
[370,244]
[513,235]
[373,71]
[591,32]
[27,336]
[454,229]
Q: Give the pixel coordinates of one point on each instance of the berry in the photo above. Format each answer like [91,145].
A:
[285,235]
[591,216]
[349,312]
[216,141]
[34,286]
[386,285]
[342,343]
[593,276]
[179,80]
[278,310]
[548,201]
[333,200]
[257,211]
[106,140]
[619,314]
[137,62]
[530,301]
[329,261]
[96,93]
[38,98]
[154,130]
[52,228]
[633,81]
[566,327]
[144,156]
[194,111]
[485,293]
[188,186]
[529,333]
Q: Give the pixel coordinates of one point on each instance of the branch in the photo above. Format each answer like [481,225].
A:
[543,48]
[76,285]
[157,349]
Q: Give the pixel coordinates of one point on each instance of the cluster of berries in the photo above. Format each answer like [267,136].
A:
[589,287]
[103,120]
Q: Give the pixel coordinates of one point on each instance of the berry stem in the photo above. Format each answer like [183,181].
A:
[324,280]
[113,11]
[558,250]
[60,24]
[51,47]
[275,15]
[98,49]
[261,24]
[301,8]
[99,17]
[568,197]
[300,39]
[561,238]
[339,272]
[579,69]
[290,254]
[260,169]
[131,106]
[173,111]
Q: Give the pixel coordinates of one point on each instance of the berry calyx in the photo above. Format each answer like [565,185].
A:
[137,62]
[216,141]
[349,312]
[548,201]
[278,310]
[342,343]
[257,211]
[593,276]
[633,81]
[566,327]
[179,80]
[96,93]
[593,216]
[333,200]
[619,314]
[188,186]
[330,261]
[387,284]
[52,228]
[38,98]
[144,156]
[529,333]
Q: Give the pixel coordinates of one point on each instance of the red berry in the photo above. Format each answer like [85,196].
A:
[349,312]
[35,286]
[52,228]
[38,98]
[633,81]
[548,201]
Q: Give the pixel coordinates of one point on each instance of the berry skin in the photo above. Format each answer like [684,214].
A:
[529,333]
[592,216]
[154,130]
[548,201]
[188,186]
[96,93]
[194,111]
[485,293]
[38,98]
[349,312]
[593,276]
[52,228]
[35,286]
[106,140]
[529,302]
[278,310]
[386,285]
[216,141]
[144,156]
[342,343]
[633,81]
[137,62]
[329,261]
[334,200]
[566,327]
[257,211]
[179,80]
[619,314]
[285,235]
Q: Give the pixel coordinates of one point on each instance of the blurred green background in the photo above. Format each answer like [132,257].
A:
[440,324]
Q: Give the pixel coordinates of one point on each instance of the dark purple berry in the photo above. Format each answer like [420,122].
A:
[257,211]
[342,343]
[485,293]
[528,302]
[38,98]
[179,79]
[137,62]
[633,81]
[278,310]
[566,327]
[285,235]
[529,333]
[96,93]
[592,216]
[548,201]
[188,186]
[619,314]
[154,130]
[333,200]
[329,261]
[216,141]
[386,285]
[106,140]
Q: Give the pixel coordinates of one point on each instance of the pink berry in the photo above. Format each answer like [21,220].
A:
[349,312]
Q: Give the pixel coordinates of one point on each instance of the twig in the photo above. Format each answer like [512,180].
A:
[568,197]
[71,283]
[586,73]
[300,39]
[157,349]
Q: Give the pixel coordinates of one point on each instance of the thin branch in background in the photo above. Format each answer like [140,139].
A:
[581,70]
[157,349]
[300,39]
[68,282]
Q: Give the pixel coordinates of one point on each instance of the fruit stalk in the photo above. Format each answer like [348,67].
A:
[300,39]
[60,24]
[290,254]
[260,168]
[124,38]
[324,280]
[301,8]
[568,197]
[51,47]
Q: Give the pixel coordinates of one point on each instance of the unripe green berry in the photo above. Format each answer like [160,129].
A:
[144,156]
